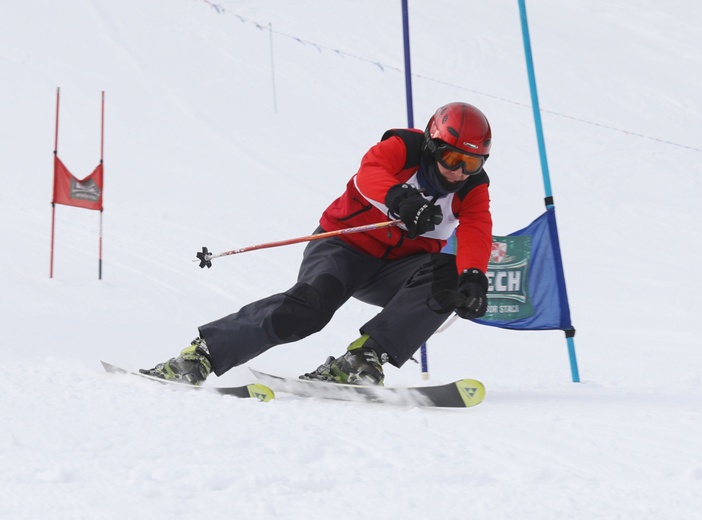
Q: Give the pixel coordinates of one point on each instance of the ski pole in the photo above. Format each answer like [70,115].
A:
[205,257]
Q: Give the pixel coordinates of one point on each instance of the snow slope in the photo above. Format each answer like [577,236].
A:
[222,133]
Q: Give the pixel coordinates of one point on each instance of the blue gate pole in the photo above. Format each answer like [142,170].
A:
[410,124]
[544,162]
[408,65]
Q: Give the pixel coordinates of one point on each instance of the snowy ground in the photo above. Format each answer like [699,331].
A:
[210,142]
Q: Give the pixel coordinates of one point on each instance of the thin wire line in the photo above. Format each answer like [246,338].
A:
[220,9]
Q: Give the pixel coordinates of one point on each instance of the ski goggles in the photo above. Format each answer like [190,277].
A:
[451,158]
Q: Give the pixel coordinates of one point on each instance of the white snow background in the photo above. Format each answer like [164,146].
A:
[222,134]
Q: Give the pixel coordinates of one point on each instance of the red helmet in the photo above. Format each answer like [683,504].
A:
[461,126]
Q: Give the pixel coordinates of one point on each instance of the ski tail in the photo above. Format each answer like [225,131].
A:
[254,390]
[261,392]
[472,391]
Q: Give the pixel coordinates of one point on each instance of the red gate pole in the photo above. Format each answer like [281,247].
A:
[53,205]
[102,148]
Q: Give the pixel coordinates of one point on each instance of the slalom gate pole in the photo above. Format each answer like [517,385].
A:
[53,205]
[410,124]
[102,153]
[53,230]
[548,199]
[408,64]
[205,257]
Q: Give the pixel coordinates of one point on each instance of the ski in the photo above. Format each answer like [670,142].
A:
[459,394]
[255,390]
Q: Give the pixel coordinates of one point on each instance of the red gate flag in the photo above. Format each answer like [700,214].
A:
[85,193]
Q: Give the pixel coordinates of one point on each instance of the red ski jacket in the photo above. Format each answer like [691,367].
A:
[395,159]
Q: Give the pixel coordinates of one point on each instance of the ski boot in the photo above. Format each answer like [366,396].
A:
[192,366]
[360,365]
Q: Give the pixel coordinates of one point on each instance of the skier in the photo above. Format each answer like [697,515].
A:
[434,182]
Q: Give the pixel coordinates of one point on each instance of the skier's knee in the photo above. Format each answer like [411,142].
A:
[307,308]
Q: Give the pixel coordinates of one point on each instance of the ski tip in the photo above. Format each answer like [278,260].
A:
[471,391]
[261,392]
[110,368]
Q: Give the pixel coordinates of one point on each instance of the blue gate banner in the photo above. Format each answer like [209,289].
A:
[527,286]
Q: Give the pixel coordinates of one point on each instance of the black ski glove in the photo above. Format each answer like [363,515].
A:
[469,299]
[473,286]
[416,213]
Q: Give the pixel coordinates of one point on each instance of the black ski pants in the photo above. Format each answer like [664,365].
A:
[331,272]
